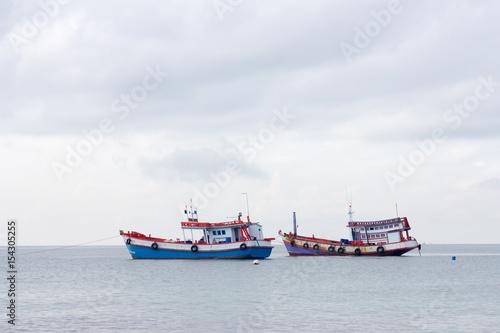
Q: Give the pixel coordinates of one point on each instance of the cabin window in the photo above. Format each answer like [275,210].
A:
[218,232]
[372,236]
[362,229]
[371,228]
[362,236]
[385,227]
[223,232]
[215,233]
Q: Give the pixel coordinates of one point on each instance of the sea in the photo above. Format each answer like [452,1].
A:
[101,289]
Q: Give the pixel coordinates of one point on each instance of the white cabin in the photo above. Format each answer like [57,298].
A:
[380,232]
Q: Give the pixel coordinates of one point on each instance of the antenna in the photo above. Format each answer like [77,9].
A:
[248,209]
[191,206]
[346,194]
[350,188]
[397,214]
[349,202]
[350,213]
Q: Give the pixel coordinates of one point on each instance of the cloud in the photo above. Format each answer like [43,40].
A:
[198,165]
[491,184]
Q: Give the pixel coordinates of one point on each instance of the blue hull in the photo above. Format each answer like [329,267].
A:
[298,250]
[146,252]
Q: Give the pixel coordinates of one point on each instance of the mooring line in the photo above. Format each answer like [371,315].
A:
[68,246]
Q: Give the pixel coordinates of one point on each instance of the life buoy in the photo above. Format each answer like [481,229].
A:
[341,250]
[129,241]
[292,243]
[194,248]
[154,246]
[331,249]
[305,246]
[380,249]
[357,252]
[316,247]
[243,246]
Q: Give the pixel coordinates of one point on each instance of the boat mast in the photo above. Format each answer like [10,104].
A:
[294,225]
[353,230]
[183,230]
[192,218]
[349,202]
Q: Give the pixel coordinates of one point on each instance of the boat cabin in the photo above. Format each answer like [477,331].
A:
[221,232]
[380,232]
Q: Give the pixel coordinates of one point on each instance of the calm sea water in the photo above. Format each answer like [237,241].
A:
[101,289]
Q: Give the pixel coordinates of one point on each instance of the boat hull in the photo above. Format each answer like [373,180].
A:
[295,247]
[144,249]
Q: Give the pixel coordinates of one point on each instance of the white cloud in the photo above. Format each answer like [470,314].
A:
[354,120]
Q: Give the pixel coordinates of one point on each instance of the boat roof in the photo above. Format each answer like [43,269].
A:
[370,223]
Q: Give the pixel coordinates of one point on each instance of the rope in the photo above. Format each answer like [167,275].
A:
[68,246]
[279,241]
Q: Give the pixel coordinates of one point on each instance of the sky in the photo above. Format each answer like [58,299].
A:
[115,115]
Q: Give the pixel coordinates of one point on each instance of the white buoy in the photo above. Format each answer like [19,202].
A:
[256,262]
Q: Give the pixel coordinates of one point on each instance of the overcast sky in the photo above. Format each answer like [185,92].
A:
[114,114]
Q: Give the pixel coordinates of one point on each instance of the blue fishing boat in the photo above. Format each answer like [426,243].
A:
[235,239]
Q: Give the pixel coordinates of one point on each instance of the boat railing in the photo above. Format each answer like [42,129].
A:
[210,225]
[376,223]
[138,235]
[313,239]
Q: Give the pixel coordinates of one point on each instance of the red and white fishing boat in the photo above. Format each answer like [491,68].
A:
[368,238]
[235,239]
